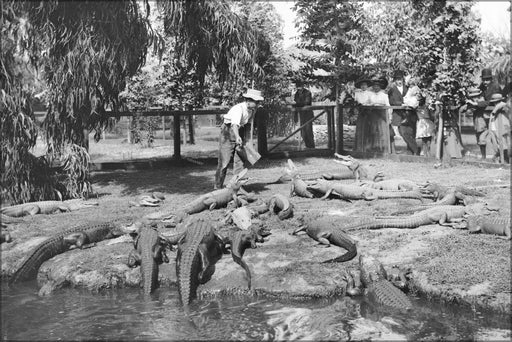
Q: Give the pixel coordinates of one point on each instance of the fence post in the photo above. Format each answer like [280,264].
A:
[339,124]
[176,136]
[163,127]
[439,140]
[261,123]
[330,133]
[191,129]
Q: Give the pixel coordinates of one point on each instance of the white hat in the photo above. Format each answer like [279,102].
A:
[253,94]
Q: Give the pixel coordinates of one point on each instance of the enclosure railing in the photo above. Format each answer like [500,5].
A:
[372,128]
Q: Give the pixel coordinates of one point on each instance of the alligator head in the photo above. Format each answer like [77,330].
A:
[371,270]
[238,180]
[76,204]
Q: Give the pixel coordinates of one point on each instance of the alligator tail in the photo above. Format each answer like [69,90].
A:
[342,240]
[188,262]
[44,251]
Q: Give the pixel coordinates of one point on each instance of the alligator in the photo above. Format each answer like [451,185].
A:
[80,236]
[393,184]
[345,191]
[280,205]
[324,232]
[5,237]
[45,207]
[298,186]
[378,288]
[439,191]
[497,225]
[146,201]
[149,253]
[387,194]
[354,169]
[452,197]
[211,200]
[443,215]
[5,220]
[199,248]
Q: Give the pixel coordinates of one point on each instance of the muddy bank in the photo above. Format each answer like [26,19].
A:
[448,264]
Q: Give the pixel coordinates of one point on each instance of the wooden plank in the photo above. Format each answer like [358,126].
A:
[169,112]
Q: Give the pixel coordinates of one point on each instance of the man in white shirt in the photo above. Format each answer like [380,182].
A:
[233,134]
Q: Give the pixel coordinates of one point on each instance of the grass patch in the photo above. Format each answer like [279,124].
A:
[468,260]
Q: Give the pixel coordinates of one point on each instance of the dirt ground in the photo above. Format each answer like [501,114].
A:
[448,264]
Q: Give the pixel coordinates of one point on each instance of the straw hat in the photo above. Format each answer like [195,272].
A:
[496,98]
[473,92]
[253,94]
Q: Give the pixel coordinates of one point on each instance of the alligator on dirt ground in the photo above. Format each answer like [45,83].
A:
[494,225]
[344,191]
[6,220]
[442,215]
[440,191]
[199,248]
[45,207]
[298,186]
[211,200]
[393,184]
[149,253]
[325,233]
[354,169]
[452,197]
[378,288]
[281,206]
[79,236]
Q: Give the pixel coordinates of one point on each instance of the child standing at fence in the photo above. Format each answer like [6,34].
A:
[425,127]
[499,127]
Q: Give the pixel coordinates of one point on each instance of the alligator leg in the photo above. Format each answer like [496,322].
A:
[134,258]
[31,210]
[351,290]
[207,270]
[327,194]
[323,239]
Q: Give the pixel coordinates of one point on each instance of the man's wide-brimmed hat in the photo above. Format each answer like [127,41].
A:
[496,98]
[253,94]
[486,74]
[473,92]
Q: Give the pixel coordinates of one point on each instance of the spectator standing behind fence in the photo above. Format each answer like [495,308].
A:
[378,97]
[396,95]
[499,127]
[233,135]
[488,85]
[425,127]
[362,93]
[475,105]
[303,98]
[405,119]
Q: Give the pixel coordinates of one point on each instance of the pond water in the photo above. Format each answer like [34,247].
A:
[126,314]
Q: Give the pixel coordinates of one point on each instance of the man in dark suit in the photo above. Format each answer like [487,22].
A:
[303,98]
[404,119]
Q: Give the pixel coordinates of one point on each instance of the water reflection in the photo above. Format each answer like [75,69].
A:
[126,314]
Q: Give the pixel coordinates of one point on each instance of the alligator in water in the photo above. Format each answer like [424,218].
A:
[79,236]
[495,225]
[45,207]
[211,200]
[378,288]
[442,215]
[199,248]
[325,233]
[149,253]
